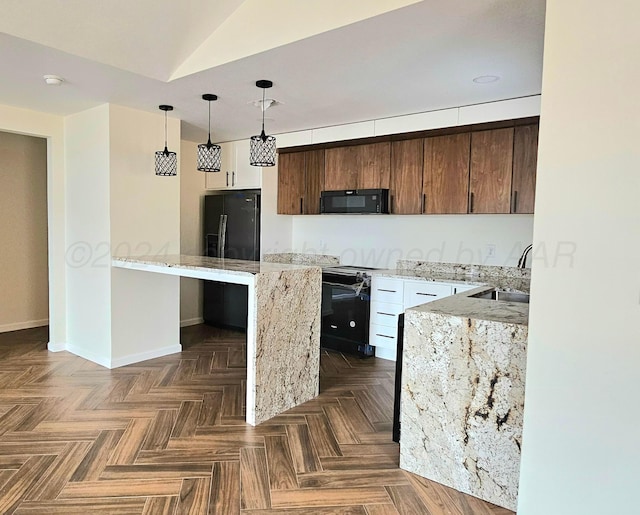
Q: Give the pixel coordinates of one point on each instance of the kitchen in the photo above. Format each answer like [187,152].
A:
[547,220]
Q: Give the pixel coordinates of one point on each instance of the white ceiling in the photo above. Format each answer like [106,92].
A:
[411,59]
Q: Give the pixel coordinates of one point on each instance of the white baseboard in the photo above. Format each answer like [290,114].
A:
[191,321]
[389,354]
[23,325]
[56,347]
[143,356]
[84,353]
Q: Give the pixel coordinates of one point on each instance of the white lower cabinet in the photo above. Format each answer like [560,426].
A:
[391,296]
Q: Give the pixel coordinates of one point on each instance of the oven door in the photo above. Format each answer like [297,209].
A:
[345,312]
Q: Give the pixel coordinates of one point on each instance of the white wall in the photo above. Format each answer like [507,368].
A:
[116,205]
[23,225]
[192,190]
[275,230]
[380,240]
[144,211]
[88,233]
[580,444]
[24,121]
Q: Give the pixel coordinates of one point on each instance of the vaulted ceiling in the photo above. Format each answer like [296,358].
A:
[331,61]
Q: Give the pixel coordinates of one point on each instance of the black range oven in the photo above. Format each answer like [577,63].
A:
[346,294]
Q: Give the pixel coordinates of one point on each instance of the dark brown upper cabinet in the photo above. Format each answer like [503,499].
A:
[314,181]
[491,168]
[488,168]
[341,168]
[446,174]
[525,160]
[405,189]
[300,181]
[374,165]
[357,167]
[291,185]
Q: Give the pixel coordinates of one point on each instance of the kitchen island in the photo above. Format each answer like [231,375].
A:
[283,326]
[462,393]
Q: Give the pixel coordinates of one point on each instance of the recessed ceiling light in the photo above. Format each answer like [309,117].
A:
[486,79]
[53,80]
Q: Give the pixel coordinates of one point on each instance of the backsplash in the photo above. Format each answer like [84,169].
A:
[464,269]
[301,259]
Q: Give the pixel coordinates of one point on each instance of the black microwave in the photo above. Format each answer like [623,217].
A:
[372,201]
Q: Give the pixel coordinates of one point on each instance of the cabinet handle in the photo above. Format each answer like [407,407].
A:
[515,202]
[424,202]
[301,206]
[427,294]
[386,314]
[385,336]
[390,291]
[471,202]
[227,179]
[233,178]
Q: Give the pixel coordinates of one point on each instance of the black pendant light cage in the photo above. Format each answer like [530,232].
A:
[209,155]
[166,161]
[262,150]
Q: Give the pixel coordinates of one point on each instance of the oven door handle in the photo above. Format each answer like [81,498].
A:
[355,287]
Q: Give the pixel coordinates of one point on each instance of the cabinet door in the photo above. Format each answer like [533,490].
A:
[341,168]
[491,165]
[243,175]
[290,183]
[313,181]
[222,180]
[374,166]
[406,176]
[525,160]
[446,174]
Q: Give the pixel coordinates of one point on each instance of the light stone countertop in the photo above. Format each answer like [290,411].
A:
[207,264]
[461,304]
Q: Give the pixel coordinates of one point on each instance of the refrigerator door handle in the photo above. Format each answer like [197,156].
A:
[222,235]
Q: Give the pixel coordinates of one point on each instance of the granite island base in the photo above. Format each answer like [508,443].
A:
[283,329]
[463,395]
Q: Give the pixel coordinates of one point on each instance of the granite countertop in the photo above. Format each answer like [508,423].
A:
[462,304]
[203,263]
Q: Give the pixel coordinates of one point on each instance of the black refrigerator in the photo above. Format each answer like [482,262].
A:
[231,230]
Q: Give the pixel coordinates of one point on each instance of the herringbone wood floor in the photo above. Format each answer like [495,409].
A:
[167,436]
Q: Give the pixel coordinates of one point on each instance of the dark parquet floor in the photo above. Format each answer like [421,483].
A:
[167,436]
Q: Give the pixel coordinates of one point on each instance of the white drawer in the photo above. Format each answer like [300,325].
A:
[383,336]
[420,292]
[383,313]
[387,290]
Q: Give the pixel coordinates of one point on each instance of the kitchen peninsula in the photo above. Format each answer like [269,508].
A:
[462,397]
[283,358]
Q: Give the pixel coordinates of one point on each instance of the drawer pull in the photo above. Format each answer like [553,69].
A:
[386,314]
[385,336]
[427,294]
[390,291]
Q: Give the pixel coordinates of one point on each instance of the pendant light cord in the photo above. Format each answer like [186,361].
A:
[209,140]
[263,136]
[166,150]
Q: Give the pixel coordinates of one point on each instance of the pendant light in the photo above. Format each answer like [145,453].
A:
[208,153]
[262,147]
[166,162]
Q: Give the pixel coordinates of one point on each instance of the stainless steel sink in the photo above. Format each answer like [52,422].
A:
[506,296]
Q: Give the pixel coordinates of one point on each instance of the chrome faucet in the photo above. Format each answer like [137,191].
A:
[523,257]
